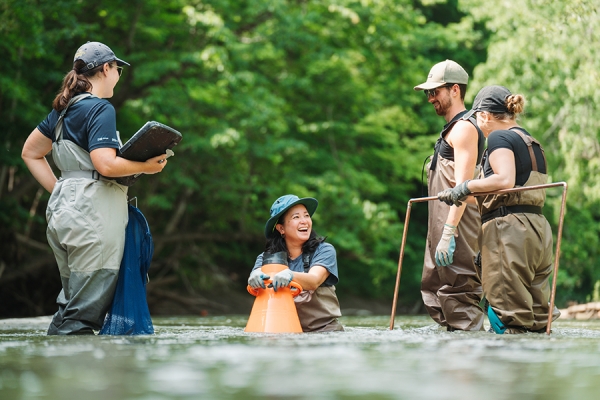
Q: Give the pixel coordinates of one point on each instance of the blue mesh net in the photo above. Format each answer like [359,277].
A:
[129,314]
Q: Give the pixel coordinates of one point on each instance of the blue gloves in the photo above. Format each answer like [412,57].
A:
[455,195]
[495,322]
[444,252]
[282,279]
[257,278]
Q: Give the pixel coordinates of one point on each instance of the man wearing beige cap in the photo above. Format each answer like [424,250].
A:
[451,282]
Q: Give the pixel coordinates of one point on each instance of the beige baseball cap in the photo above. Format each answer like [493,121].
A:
[442,73]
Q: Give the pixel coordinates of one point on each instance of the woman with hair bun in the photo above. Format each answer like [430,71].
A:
[87,209]
[516,239]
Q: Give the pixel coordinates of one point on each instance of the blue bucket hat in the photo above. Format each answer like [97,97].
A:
[283,204]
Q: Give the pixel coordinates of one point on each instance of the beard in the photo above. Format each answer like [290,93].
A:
[442,105]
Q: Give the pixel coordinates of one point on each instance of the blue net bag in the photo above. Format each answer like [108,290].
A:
[129,314]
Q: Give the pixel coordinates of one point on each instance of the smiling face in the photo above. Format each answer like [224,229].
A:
[104,82]
[112,78]
[296,225]
[441,101]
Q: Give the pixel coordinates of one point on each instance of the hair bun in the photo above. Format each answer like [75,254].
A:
[515,103]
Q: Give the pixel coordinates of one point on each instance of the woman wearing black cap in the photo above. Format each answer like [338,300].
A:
[516,239]
[312,263]
[87,211]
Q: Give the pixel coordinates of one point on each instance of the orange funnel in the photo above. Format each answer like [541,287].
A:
[274,312]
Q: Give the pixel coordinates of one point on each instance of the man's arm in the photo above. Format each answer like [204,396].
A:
[463,138]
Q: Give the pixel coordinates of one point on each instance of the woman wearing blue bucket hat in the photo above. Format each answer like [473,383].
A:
[312,263]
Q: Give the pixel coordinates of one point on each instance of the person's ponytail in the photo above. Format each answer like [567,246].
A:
[73,83]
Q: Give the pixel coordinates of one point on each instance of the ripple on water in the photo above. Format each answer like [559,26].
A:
[215,358]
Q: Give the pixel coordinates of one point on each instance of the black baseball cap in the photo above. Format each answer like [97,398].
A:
[491,99]
[94,54]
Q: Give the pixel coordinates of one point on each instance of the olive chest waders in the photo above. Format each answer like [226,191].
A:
[321,310]
[516,252]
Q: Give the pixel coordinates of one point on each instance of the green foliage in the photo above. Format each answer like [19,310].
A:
[596,293]
[549,51]
[310,97]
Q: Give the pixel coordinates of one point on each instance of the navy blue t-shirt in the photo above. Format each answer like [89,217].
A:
[90,123]
[508,139]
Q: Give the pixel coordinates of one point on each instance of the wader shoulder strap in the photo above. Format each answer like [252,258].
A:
[461,116]
[438,143]
[529,142]
[480,138]
[58,128]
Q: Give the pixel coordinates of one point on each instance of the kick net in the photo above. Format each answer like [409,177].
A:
[129,314]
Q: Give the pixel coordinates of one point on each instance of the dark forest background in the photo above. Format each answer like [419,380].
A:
[313,98]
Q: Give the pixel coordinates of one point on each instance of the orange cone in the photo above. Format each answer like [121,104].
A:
[274,312]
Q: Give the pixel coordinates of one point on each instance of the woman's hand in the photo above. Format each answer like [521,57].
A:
[108,164]
[155,164]
[456,195]
[282,279]
[257,279]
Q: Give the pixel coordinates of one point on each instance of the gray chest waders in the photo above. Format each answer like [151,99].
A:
[87,216]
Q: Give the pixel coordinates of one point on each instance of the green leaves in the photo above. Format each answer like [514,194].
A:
[311,98]
[548,51]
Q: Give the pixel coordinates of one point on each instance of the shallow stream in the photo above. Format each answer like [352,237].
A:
[213,358]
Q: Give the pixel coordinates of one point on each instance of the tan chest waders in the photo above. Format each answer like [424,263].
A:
[516,252]
[452,293]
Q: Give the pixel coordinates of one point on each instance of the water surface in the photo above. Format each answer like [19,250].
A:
[213,358]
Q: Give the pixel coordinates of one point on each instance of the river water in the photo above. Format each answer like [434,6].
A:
[213,358]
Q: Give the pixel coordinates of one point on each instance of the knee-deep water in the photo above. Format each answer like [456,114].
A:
[213,358]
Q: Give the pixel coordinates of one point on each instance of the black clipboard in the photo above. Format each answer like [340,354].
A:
[151,140]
